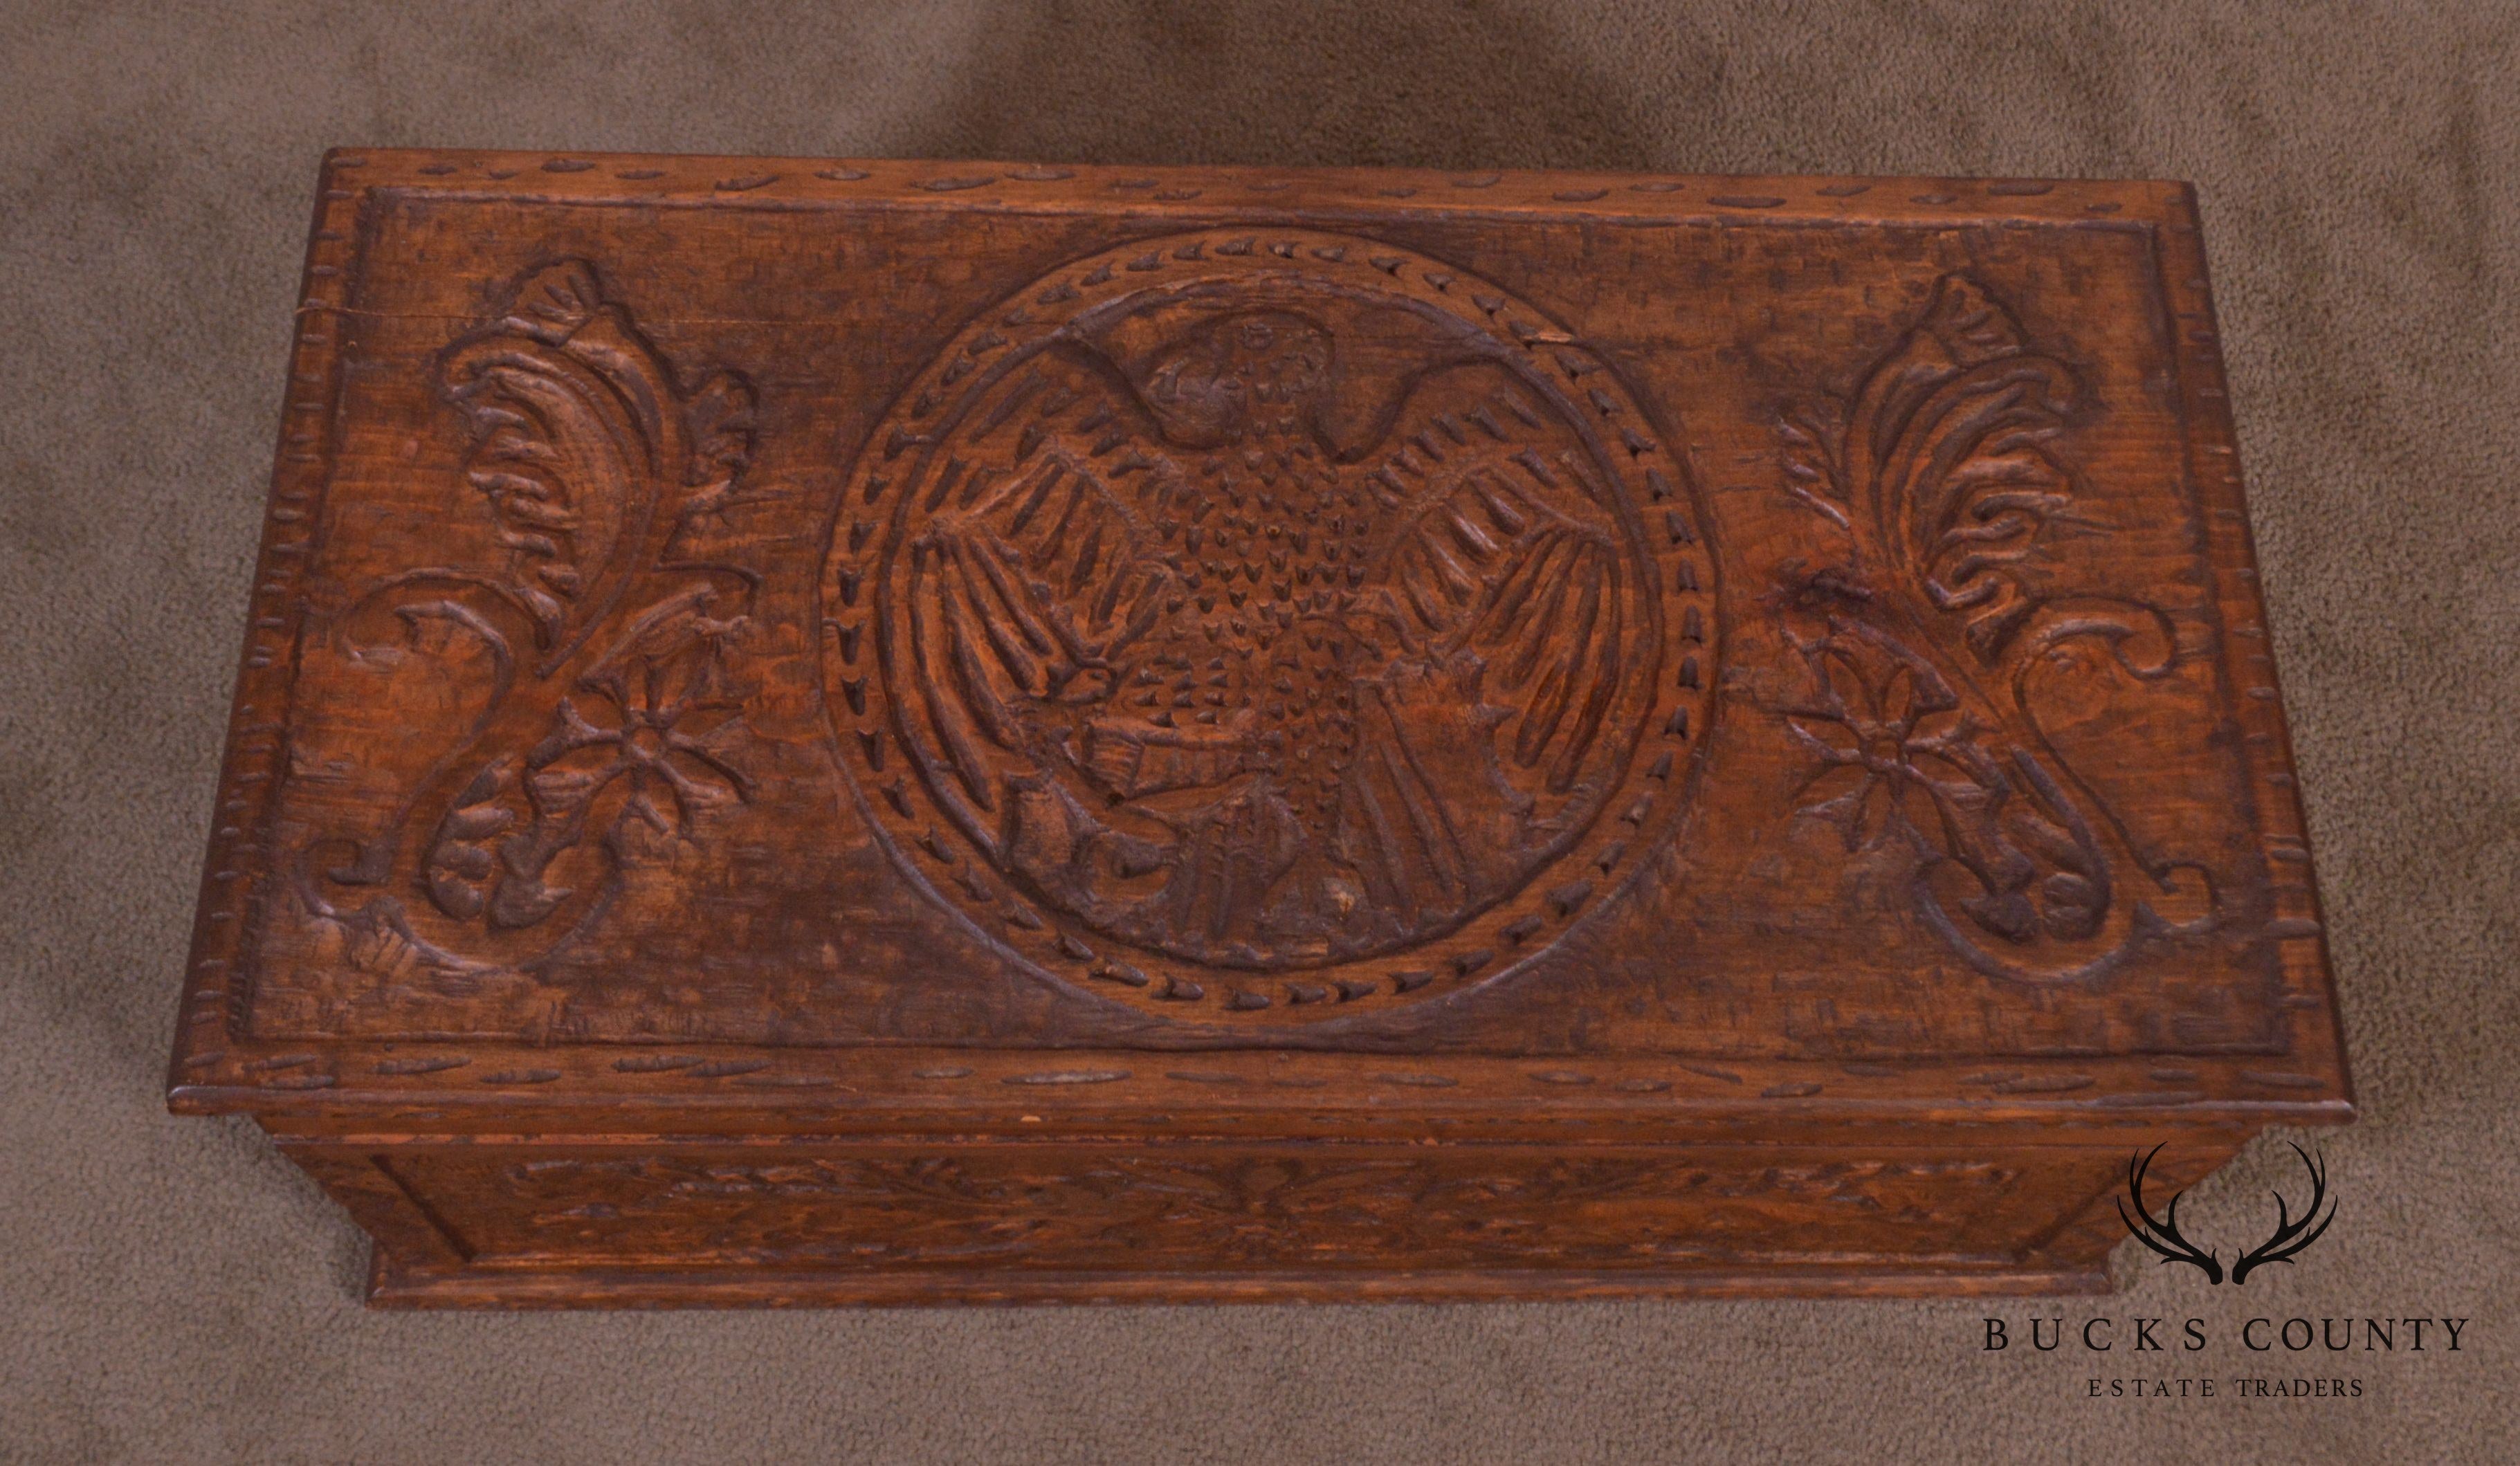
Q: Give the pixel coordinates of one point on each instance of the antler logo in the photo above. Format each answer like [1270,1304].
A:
[2291,1236]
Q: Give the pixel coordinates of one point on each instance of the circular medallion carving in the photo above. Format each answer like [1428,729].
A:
[1253,625]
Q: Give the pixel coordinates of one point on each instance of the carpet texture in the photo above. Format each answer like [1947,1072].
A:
[175,1292]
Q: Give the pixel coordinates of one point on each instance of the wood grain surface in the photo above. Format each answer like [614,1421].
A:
[882,731]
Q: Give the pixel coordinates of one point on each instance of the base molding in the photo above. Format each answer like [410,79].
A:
[391,1284]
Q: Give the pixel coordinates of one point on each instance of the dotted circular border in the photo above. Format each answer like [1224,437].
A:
[1495,941]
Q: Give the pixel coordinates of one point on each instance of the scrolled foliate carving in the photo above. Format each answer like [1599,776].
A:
[604,669]
[1924,639]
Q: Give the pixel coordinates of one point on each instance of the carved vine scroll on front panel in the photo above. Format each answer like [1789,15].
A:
[601,674]
[1925,637]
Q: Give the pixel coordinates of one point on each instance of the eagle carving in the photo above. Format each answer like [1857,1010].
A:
[1267,630]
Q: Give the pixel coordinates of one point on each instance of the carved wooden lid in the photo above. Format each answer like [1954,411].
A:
[763,637]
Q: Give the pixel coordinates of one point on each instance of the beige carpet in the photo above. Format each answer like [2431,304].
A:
[173,1291]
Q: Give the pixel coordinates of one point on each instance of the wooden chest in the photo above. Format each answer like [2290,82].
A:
[897,733]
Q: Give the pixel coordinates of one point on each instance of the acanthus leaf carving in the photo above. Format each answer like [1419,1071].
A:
[1922,646]
[611,717]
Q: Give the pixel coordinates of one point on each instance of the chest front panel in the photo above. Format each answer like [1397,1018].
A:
[1004,612]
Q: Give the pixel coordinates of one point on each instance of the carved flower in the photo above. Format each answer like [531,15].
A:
[1910,760]
[660,719]
[1892,740]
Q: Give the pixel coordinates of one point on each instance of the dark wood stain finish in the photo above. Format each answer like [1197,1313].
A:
[887,732]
